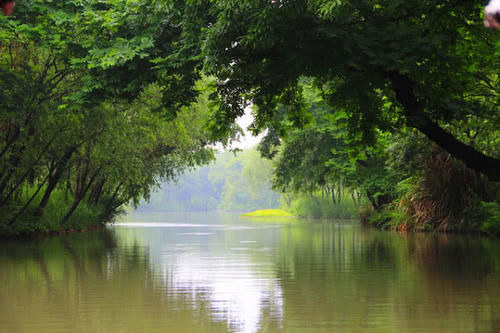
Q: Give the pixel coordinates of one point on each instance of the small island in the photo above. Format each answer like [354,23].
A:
[267,213]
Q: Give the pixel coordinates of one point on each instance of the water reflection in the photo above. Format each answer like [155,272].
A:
[236,290]
[368,280]
[205,273]
[227,266]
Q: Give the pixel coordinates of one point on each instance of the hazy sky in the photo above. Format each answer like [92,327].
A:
[248,141]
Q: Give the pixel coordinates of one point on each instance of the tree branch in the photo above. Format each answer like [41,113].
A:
[416,117]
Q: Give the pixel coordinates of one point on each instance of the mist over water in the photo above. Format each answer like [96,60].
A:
[212,272]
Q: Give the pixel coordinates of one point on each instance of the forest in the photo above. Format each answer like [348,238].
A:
[390,105]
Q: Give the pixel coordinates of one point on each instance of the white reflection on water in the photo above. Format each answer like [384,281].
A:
[235,279]
[181,225]
[166,225]
[235,291]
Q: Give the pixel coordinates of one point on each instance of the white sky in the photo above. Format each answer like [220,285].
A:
[248,141]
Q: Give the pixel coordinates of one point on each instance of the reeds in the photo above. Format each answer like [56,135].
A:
[440,197]
[318,206]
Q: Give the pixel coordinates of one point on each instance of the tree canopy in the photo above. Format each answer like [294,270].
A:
[426,64]
[99,102]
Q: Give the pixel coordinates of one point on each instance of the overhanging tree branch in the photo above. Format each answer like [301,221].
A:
[416,117]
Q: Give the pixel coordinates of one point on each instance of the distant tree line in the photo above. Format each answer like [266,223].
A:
[233,182]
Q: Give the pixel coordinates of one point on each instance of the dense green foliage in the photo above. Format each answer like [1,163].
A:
[99,101]
[86,103]
[324,156]
[411,182]
[320,205]
[434,191]
[340,85]
[428,64]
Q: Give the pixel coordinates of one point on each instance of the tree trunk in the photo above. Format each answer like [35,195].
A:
[26,205]
[332,192]
[54,179]
[109,206]
[416,117]
[10,170]
[372,201]
[78,198]
[10,141]
[96,192]
[28,172]
[74,206]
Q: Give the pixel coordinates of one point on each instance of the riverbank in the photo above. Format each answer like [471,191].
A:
[483,218]
[59,216]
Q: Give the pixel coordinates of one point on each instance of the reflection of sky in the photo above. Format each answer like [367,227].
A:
[235,291]
[218,266]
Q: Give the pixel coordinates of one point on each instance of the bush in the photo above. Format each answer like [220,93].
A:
[486,217]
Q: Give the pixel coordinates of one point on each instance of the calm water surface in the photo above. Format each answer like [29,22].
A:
[219,273]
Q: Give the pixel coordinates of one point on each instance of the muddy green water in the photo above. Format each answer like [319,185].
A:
[219,273]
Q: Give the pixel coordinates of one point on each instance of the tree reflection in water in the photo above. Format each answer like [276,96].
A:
[229,275]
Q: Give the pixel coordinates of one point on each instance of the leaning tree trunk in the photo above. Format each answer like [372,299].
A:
[54,180]
[27,204]
[79,197]
[416,117]
[28,172]
[109,206]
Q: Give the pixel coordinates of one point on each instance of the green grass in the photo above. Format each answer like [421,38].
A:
[266,213]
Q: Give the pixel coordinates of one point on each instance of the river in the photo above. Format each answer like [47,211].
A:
[209,272]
